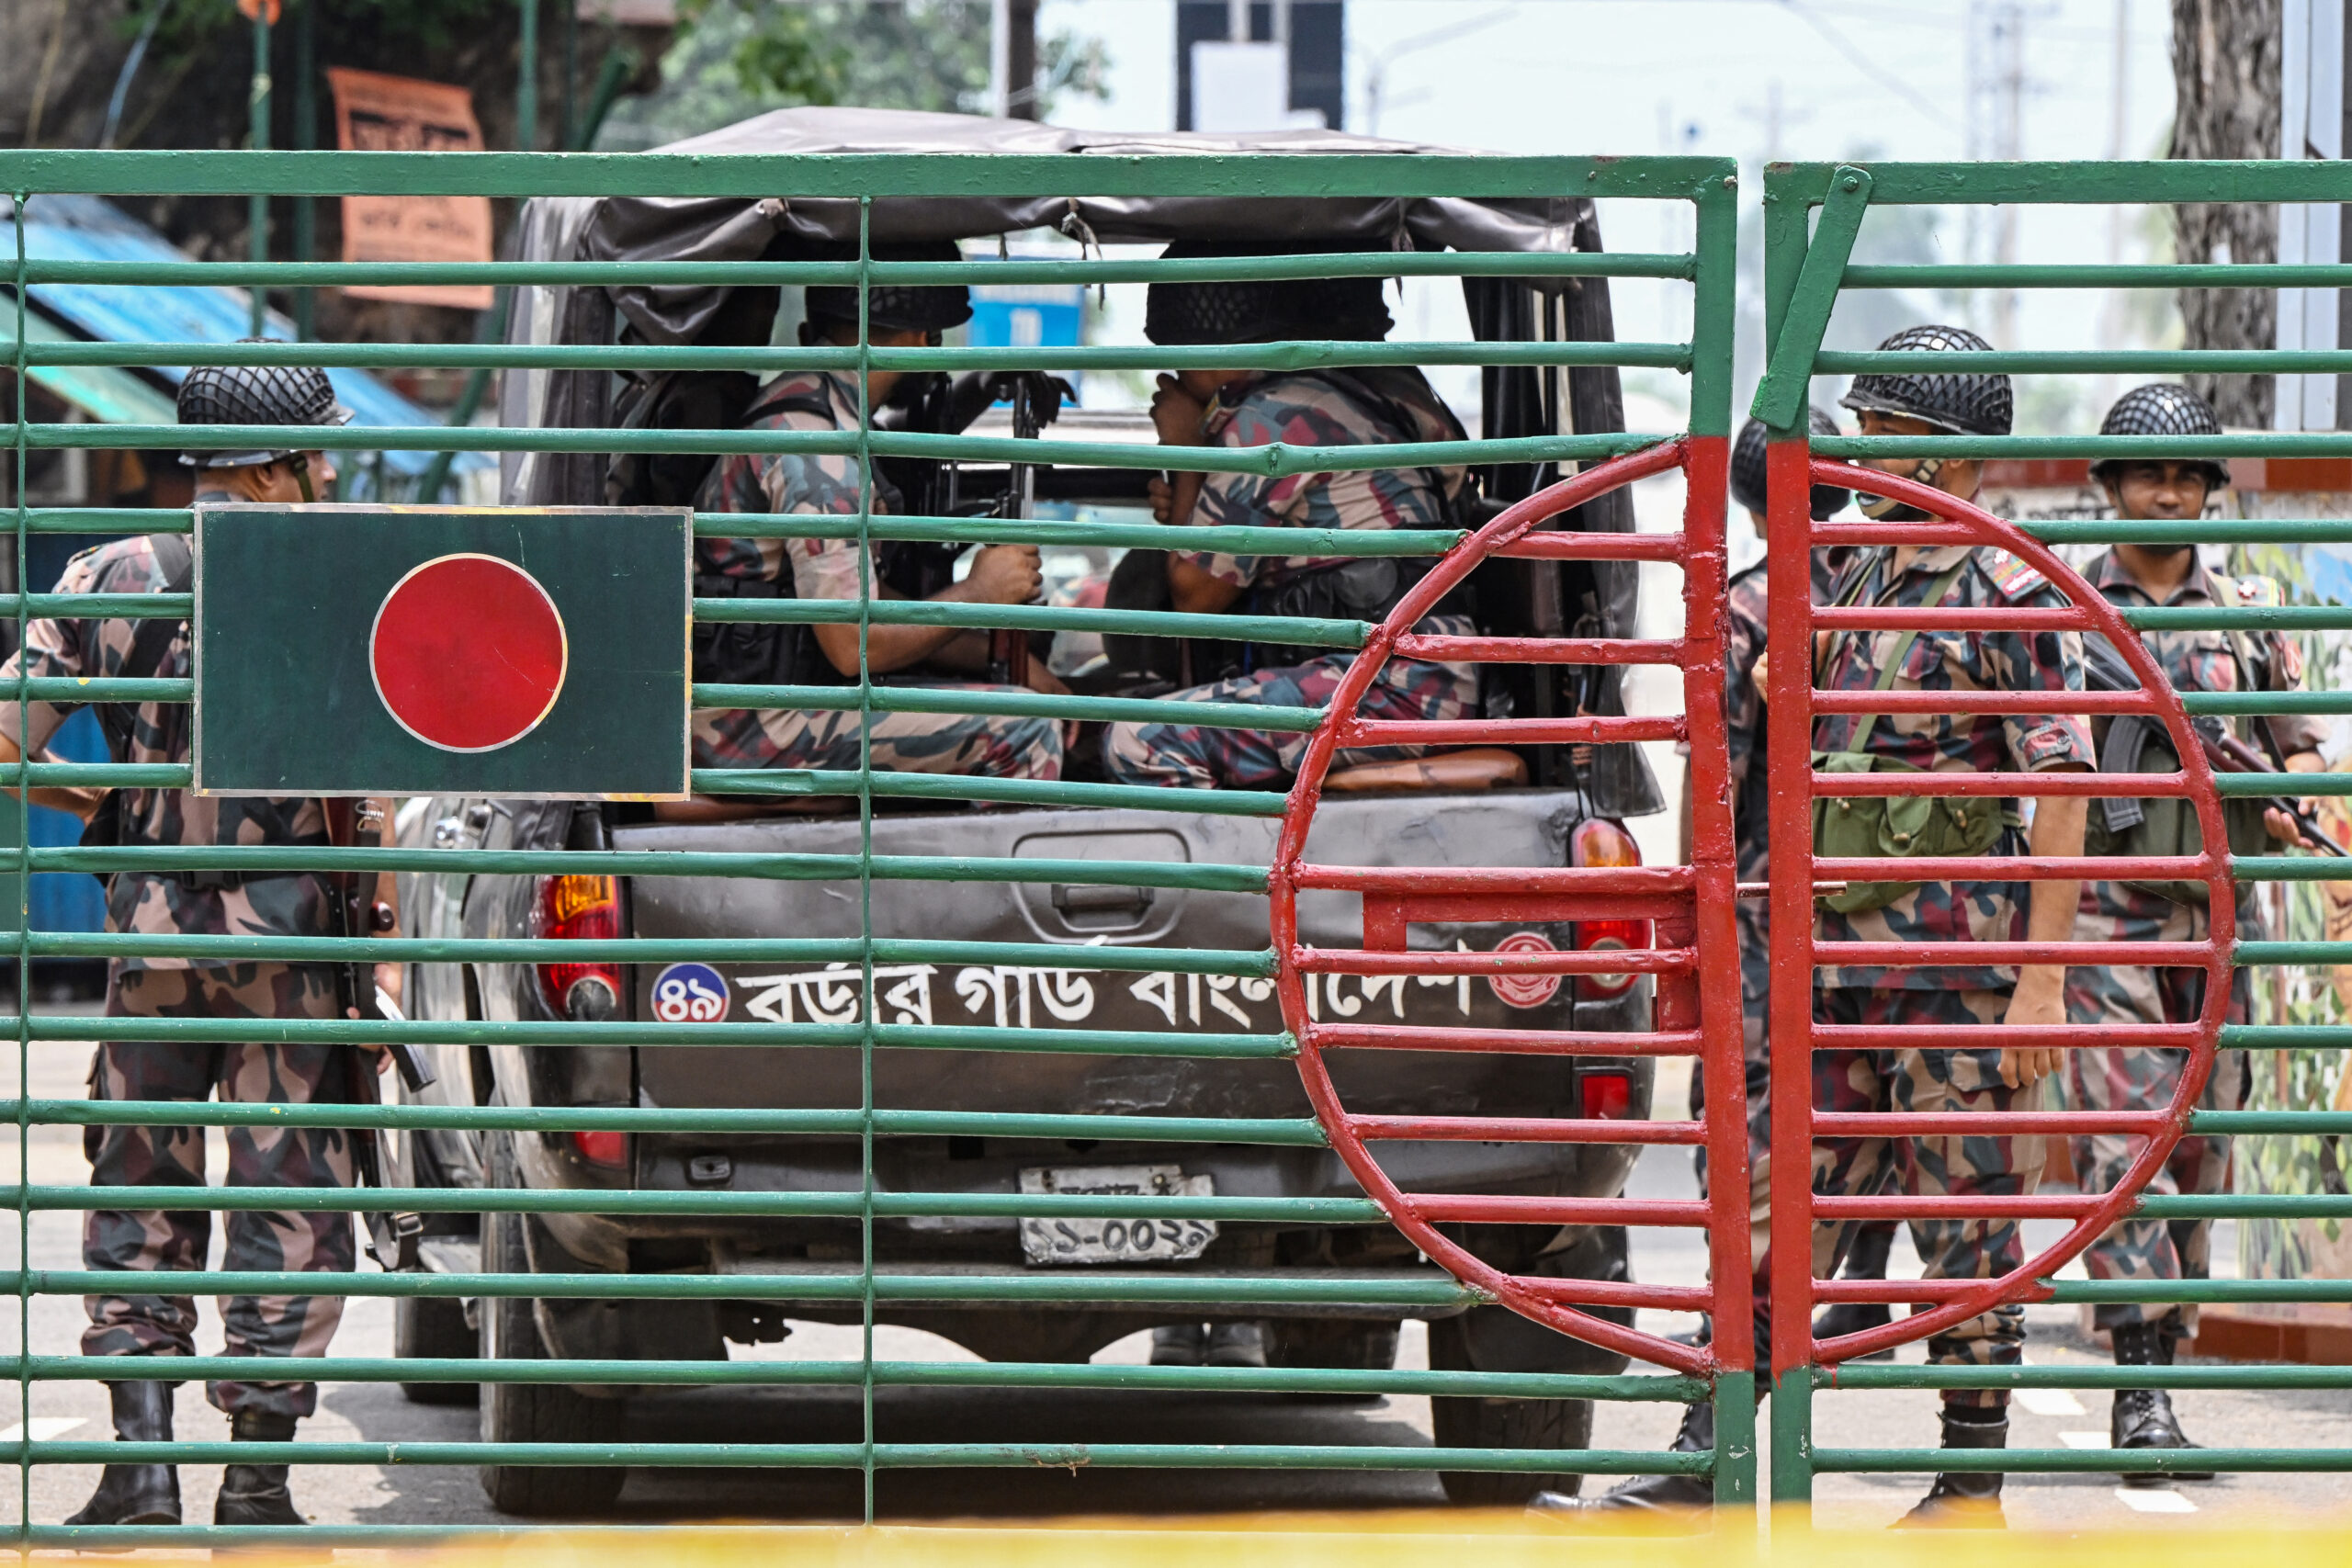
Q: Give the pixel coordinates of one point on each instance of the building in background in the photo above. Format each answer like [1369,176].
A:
[1267,65]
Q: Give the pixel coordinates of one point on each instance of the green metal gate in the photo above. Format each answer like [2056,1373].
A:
[863,1286]
[1808,270]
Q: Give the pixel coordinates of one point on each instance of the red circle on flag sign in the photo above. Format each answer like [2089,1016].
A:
[1525,990]
[469,653]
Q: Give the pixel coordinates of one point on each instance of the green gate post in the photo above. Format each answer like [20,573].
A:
[257,204]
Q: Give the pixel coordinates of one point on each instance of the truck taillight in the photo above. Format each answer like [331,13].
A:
[612,1149]
[1604,1095]
[579,908]
[1598,841]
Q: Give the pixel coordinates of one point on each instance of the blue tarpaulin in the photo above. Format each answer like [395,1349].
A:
[83,228]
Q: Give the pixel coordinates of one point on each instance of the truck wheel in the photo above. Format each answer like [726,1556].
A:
[537,1412]
[1475,1423]
[1344,1343]
[433,1327]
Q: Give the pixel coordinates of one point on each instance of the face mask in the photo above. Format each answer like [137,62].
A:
[1886,509]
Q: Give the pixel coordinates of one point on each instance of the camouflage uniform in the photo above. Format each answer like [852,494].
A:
[1304,410]
[972,745]
[129,1325]
[1911,1078]
[2132,1078]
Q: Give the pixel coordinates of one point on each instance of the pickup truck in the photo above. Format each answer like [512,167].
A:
[1549,809]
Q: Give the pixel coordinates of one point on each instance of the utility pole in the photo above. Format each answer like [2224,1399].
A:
[2119,88]
[1012,58]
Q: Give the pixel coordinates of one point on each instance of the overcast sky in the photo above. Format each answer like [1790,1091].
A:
[1635,76]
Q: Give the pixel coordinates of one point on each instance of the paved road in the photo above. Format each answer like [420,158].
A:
[405,1494]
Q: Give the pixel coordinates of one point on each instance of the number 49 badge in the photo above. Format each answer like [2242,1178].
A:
[690,993]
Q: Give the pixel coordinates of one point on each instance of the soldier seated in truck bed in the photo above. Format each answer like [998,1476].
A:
[1369,405]
[754,653]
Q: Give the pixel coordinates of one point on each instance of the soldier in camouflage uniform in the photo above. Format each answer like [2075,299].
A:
[1367,406]
[132,1322]
[974,745]
[2136,1077]
[1916,1079]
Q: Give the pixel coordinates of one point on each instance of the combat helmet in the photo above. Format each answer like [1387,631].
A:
[1970,404]
[2161,408]
[1747,469]
[1185,314]
[255,394]
[898,307]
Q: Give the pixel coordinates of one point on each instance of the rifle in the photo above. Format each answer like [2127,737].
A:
[392,1237]
[1009,646]
[2104,670]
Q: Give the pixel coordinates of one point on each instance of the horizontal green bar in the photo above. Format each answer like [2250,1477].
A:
[1287,1131]
[2244,444]
[2281,617]
[2246,1205]
[2072,1293]
[853,175]
[2104,183]
[2174,275]
[2096,361]
[535,1032]
[1235,540]
[918,786]
[1028,618]
[769,360]
[1018,705]
[1343,263]
[884,1374]
[2285,1037]
[2287,868]
[2259,1122]
[2193,531]
[794,1205]
[1203,876]
[2087,1375]
[2068,1462]
[1077,1285]
[1259,963]
[2235,702]
[2249,954]
[1275,459]
[101,689]
[884,1456]
[2244,785]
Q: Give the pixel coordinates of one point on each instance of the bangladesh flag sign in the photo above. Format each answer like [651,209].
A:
[442,650]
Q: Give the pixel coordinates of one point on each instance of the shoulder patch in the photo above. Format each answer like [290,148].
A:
[2260,593]
[2012,579]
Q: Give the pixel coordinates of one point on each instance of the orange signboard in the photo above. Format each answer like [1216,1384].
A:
[375,113]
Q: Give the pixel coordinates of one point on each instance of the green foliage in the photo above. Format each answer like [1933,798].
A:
[734,58]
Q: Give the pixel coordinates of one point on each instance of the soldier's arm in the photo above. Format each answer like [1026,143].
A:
[2041,997]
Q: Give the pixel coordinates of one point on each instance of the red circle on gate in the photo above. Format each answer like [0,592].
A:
[1525,990]
[469,653]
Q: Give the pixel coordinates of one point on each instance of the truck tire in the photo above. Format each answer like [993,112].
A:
[537,1412]
[1349,1344]
[433,1327]
[1463,1422]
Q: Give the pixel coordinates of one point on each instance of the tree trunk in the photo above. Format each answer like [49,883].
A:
[2225,85]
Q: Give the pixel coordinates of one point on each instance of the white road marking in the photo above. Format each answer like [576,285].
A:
[2049,1402]
[2086,1439]
[44,1428]
[2154,1500]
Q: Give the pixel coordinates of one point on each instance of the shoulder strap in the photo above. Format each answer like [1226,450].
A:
[150,641]
[1903,647]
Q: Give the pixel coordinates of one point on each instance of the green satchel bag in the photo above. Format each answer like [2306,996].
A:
[1897,827]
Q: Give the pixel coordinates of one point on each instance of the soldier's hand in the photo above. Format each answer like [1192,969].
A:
[2040,1003]
[1163,499]
[1176,414]
[1760,673]
[1006,574]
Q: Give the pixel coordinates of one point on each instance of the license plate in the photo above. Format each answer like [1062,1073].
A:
[1128,1239]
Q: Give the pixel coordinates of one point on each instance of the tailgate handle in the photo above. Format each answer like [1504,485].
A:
[1088,898]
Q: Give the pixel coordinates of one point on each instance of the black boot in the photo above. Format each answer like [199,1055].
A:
[136,1494]
[1866,1261]
[1235,1345]
[1663,1496]
[256,1493]
[1179,1345]
[2142,1418]
[1970,1499]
